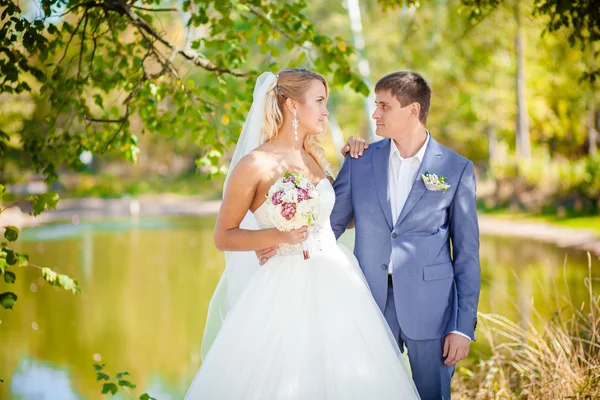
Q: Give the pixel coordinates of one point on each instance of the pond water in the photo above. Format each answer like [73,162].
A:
[147,284]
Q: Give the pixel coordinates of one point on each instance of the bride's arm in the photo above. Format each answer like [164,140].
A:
[239,195]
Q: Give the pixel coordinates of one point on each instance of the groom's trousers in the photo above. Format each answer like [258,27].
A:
[431,375]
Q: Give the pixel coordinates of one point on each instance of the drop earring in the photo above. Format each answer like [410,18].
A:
[295,125]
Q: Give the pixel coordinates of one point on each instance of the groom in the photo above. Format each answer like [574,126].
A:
[417,242]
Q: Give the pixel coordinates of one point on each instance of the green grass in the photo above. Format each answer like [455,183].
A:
[106,186]
[590,223]
[576,222]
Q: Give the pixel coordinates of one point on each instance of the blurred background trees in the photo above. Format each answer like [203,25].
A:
[166,85]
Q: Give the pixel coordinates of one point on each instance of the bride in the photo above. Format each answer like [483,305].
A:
[293,328]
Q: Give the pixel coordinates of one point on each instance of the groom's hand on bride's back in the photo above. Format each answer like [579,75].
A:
[355,146]
[295,236]
[264,255]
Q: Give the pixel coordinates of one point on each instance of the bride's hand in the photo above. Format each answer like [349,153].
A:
[355,145]
[295,236]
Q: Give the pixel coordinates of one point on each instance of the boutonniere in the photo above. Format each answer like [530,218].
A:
[435,183]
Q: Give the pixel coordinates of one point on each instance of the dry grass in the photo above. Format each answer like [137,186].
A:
[559,361]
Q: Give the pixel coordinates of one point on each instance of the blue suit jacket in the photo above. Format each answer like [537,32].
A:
[434,243]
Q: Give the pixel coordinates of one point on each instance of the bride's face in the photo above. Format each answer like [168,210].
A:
[313,111]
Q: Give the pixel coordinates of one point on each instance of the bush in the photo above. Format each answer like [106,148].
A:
[559,361]
[545,185]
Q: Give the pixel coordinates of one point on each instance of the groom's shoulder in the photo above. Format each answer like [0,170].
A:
[369,151]
[367,155]
[378,144]
[453,157]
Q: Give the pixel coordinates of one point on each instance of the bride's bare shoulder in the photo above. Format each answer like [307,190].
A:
[257,161]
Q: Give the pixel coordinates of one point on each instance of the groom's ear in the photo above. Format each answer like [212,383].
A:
[415,109]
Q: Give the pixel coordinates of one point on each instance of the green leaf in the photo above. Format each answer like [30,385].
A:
[98,101]
[109,387]
[126,383]
[122,374]
[11,257]
[64,281]
[43,202]
[9,277]
[49,275]
[360,87]
[301,58]
[146,396]
[101,376]
[98,367]
[11,233]
[8,300]
[23,260]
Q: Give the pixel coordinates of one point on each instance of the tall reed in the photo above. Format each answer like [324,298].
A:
[561,360]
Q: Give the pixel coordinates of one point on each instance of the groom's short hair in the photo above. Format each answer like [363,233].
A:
[408,87]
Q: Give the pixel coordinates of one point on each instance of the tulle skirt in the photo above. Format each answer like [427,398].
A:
[305,329]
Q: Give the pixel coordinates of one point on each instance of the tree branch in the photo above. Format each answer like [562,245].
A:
[69,42]
[82,44]
[256,11]
[195,58]
[155,9]
[94,39]
[262,17]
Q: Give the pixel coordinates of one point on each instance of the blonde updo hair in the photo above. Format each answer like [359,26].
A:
[293,83]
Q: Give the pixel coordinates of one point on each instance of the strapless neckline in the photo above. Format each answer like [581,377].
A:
[316,187]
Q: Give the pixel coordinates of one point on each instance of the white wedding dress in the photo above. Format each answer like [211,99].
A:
[305,330]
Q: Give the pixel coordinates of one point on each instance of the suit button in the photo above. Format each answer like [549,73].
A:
[384,267]
[394,235]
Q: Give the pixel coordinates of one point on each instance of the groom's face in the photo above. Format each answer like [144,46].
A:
[391,118]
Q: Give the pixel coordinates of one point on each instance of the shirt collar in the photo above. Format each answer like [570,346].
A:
[420,154]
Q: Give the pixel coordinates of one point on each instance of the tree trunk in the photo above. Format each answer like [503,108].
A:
[363,64]
[522,133]
[492,142]
[337,137]
[593,131]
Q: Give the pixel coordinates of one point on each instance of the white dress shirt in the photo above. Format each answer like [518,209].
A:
[401,176]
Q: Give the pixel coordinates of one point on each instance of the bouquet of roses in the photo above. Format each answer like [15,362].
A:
[292,202]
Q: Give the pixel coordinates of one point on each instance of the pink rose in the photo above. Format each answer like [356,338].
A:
[277,198]
[302,194]
[288,210]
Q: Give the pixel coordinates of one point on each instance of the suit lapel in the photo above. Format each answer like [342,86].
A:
[432,162]
[380,170]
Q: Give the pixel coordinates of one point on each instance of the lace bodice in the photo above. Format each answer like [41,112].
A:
[321,235]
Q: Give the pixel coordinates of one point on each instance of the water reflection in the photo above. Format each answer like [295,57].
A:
[51,383]
[147,285]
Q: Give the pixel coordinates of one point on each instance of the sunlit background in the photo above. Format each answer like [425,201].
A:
[517,99]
